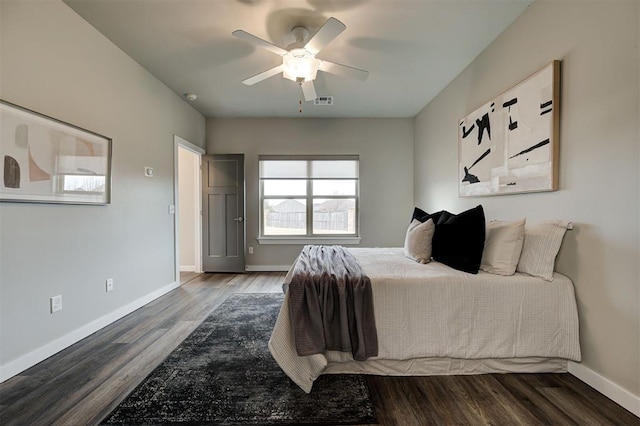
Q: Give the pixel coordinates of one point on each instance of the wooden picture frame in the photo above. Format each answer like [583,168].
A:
[45,160]
[510,145]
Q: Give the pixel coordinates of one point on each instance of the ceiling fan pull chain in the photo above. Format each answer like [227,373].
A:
[300,108]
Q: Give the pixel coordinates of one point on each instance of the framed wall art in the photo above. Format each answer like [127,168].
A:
[48,161]
[510,144]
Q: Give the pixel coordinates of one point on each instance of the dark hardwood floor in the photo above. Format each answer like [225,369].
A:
[83,383]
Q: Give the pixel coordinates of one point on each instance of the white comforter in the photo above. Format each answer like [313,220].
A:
[433,311]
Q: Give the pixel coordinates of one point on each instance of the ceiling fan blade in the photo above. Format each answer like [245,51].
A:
[325,34]
[343,70]
[259,42]
[308,90]
[263,76]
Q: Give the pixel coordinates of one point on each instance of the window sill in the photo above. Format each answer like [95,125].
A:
[309,240]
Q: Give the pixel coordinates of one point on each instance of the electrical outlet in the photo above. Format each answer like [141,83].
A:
[109,284]
[250,250]
[56,303]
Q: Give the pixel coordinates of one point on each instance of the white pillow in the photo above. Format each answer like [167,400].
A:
[541,246]
[502,247]
[417,242]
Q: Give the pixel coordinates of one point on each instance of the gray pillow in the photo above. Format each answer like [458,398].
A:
[417,242]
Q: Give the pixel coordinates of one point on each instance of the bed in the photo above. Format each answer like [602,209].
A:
[432,319]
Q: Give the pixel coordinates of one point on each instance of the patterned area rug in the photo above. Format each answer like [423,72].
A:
[223,374]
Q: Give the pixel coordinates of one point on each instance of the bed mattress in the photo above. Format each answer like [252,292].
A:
[432,319]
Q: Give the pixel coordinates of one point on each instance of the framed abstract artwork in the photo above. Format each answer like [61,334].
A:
[48,161]
[510,144]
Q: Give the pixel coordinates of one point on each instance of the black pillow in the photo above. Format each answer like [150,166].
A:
[458,240]
[423,216]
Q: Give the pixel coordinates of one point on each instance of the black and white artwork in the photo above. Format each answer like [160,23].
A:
[510,144]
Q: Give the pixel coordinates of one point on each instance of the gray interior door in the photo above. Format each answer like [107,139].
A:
[223,226]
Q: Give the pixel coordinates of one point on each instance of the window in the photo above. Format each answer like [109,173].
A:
[309,196]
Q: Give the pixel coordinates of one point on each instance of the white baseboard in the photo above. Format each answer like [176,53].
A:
[188,268]
[30,359]
[606,387]
[267,268]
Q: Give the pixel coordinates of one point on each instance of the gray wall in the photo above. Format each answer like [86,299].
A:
[599,161]
[55,63]
[385,147]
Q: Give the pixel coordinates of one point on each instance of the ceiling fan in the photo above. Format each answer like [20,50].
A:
[299,61]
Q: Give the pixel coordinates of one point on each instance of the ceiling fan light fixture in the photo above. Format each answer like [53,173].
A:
[299,64]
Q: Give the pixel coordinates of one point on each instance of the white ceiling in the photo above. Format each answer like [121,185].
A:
[411,48]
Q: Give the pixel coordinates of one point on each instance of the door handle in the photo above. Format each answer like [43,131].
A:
[239,219]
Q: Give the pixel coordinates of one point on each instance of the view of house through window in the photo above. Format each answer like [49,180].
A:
[309,195]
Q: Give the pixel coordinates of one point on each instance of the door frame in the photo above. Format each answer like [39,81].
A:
[178,143]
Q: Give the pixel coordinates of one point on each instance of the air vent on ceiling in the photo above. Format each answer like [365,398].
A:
[323,100]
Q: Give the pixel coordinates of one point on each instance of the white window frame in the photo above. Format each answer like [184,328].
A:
[309,237]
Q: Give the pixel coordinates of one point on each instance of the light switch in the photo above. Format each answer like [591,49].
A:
[148,171]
